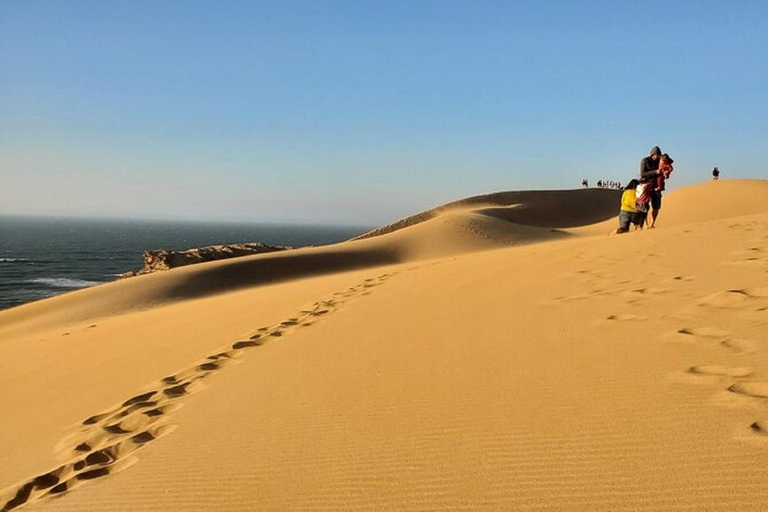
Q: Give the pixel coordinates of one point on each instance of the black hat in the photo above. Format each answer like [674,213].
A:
[655,151]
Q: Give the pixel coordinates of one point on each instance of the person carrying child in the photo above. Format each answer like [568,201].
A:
[628,212]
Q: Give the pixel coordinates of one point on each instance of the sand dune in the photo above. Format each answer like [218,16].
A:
[452,229]
[450,363]
[539,208]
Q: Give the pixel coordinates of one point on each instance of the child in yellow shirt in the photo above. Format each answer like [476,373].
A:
[628,212]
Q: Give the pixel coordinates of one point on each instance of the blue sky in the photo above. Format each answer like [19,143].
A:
[361,112]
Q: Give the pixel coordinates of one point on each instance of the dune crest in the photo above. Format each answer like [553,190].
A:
[469,225]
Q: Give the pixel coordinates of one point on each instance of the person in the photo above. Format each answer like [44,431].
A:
[665,167]
[600,183]
[649,166]
[628,211]
[649,169]
[715,174]
[584,183]
[642,201]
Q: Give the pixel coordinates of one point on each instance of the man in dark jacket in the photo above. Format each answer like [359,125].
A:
[649,170]
[649,166]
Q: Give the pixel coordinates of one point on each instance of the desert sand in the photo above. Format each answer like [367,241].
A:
[504,353]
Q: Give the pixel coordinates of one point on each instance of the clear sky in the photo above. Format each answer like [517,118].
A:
[361,112]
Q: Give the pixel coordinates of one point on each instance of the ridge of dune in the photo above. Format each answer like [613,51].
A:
[715,200]
[477,223]
[537,208]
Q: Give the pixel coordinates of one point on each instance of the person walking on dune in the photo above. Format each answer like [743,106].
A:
[649,170]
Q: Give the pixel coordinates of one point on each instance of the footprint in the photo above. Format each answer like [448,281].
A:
[239,345]
[127,425]
[703,332]
[646,291]
[760,428]
[734,298]
[739,345]
[583,296]
[178,390]
[753,389]
[627,317]
[725,371]
[749,256]
[160,411]
[99,417]
[222,355]
[139,398]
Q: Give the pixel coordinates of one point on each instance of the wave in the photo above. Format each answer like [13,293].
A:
[12,260]
[63,282]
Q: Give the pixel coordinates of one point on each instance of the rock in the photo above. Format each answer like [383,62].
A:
[162,259]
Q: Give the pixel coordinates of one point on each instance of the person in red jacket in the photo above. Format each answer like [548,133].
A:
[665,168]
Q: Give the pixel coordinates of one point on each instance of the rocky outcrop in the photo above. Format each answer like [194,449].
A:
[161,259]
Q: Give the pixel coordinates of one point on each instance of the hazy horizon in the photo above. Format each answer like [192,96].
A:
[349,113]
[176,220]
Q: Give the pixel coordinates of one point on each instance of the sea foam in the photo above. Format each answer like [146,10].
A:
[63,282]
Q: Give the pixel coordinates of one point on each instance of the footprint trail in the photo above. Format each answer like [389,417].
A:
[106,443]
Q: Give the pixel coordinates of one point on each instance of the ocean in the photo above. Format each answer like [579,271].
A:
[43,257]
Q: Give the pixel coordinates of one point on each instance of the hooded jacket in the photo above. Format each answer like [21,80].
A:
[649,166]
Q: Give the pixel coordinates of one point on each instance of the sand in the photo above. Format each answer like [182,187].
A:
[482,358]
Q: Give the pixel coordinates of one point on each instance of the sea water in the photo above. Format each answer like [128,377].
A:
[42,257]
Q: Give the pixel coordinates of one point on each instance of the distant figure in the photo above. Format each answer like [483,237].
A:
[649,169]
[715,174]
[600,183]
[628,211]
[584,183]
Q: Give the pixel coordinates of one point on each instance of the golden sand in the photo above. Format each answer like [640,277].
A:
[476,360]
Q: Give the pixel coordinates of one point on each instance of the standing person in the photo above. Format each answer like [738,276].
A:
[715,174]
[628,211]
[584,183]
[649,169]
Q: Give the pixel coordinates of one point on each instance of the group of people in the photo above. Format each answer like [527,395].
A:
[643,196]
[608,184]
[602,183]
